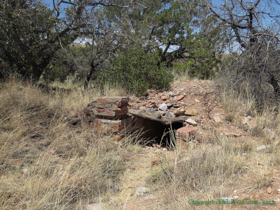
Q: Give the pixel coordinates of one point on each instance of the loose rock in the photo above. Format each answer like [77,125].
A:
[261,148]
[180,97]
[191,122]
[191,112]
[163,107]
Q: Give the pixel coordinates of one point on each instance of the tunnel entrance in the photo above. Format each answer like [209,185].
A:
[157,128]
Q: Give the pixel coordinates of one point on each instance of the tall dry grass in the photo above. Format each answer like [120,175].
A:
[45,163]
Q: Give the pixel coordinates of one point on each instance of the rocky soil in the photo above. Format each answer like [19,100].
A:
[197,106]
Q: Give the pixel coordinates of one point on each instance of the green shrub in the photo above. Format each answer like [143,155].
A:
[136,71]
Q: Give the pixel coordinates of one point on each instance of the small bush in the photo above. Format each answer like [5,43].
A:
[136,71]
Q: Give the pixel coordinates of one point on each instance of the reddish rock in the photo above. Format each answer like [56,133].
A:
[99,110]
[122,102]
[109,112]
[118,111]
[121,111]
[101,101]
[155,161]
[180,97]
[186,132]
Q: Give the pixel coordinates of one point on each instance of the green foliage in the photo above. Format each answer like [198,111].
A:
[201,61]
[136,71]
[69,61]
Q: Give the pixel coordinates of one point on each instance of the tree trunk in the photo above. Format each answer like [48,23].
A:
[274,84]
[36,73]
[89,76]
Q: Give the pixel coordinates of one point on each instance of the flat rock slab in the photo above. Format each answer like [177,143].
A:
[108,107]
[156,116]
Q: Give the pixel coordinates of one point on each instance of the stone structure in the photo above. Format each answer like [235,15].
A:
[159,125]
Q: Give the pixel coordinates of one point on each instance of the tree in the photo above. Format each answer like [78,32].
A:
[30,33]
[176,29]
[136,71]
[253,31]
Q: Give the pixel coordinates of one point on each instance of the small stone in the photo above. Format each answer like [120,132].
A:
[217,119]
[141,191]
[25,171]
[269,190]
[169,105]
[278,191]
[95,206]
[191,122]
[246,120]
[163,97]
[191,112]
[171,93]
[163,107]
[180,97]
[167,114]
[176,105]
[179,112]
[261,148]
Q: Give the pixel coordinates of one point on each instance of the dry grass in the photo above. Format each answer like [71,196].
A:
[237,166]
[44,163]
[199,175]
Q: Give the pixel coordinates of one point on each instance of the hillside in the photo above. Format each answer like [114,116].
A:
[53,158]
